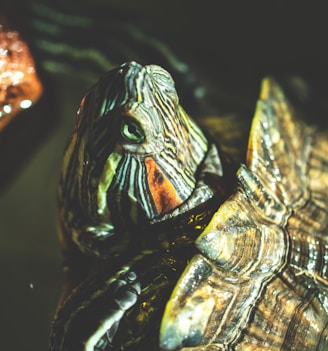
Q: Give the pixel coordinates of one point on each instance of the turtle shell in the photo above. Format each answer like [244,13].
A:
[259,281]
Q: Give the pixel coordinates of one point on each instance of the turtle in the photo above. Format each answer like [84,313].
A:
[169,245]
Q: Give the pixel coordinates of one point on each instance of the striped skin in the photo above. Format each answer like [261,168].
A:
[140,181]
[260,279]
[132,159]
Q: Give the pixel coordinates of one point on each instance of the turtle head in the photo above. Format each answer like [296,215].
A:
[134,156]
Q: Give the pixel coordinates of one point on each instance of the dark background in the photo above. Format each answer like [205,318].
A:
[232,44]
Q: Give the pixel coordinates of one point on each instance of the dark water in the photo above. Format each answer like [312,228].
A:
[232,46]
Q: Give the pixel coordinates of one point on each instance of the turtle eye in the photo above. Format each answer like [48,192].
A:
[132,132]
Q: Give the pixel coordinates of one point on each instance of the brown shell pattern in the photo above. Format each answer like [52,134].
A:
[260,280]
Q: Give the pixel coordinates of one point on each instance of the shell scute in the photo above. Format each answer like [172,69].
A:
[279,146]
[210,302]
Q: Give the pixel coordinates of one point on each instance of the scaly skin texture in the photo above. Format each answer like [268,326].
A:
[140,181]
[133,158]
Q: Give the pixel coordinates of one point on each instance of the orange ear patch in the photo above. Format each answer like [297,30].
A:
[163,192]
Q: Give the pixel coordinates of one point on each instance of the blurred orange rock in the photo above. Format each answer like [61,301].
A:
[20,86]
